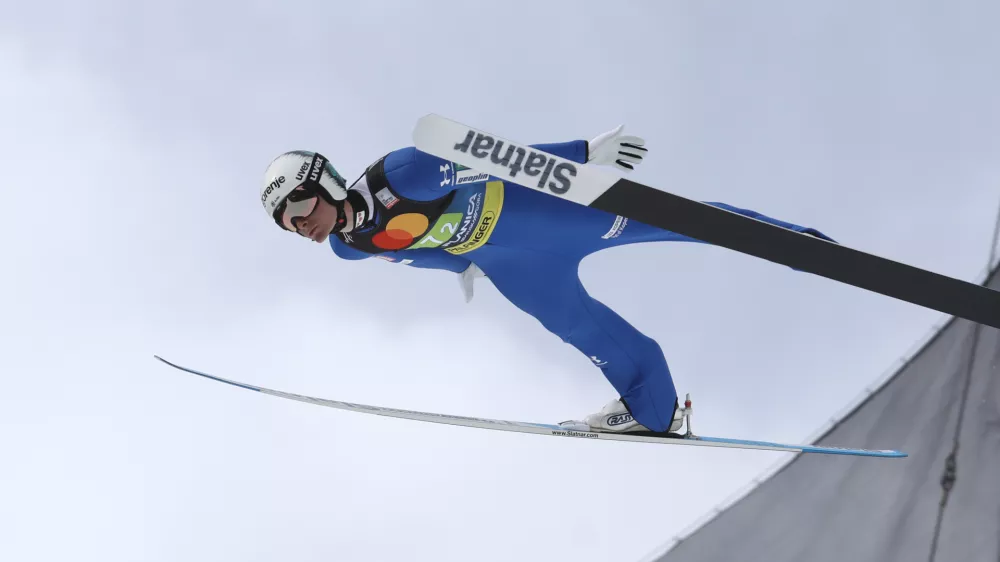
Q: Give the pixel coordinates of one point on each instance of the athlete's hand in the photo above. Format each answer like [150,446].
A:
[467,277]
[615,149]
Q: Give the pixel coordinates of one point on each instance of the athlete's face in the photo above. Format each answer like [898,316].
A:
[318,225]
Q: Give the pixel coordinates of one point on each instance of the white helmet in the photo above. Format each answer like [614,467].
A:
[293,180]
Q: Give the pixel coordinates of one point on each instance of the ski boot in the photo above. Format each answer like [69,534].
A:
[615,418]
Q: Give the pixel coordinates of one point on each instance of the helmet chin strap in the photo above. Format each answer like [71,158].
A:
[357,204]
[341,217]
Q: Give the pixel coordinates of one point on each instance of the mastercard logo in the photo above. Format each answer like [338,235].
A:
[401,231]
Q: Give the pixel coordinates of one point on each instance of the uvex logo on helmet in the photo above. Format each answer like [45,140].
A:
[517,159]
[316,171]
[619,419]
[301,174]
[275,184]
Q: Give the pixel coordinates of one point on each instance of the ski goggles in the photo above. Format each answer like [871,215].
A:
[300,203]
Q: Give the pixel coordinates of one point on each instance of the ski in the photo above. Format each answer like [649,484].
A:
[547,429]
[597,188]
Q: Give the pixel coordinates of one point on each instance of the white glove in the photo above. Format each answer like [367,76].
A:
[614,149]
[467,277]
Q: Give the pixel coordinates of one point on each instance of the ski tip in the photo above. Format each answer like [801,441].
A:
[162,360]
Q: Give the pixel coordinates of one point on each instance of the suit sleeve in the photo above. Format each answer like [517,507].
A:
[424,177]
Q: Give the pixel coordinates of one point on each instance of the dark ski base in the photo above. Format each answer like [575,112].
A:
[803,252]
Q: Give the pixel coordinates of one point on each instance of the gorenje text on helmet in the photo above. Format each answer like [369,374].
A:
[275,184]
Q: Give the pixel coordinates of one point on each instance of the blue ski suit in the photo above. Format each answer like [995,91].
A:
[530,245]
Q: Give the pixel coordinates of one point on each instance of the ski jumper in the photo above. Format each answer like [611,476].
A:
[421,210]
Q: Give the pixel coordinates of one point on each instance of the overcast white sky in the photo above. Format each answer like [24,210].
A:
[133,137]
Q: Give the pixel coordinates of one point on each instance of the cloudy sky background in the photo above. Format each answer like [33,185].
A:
[133,138]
